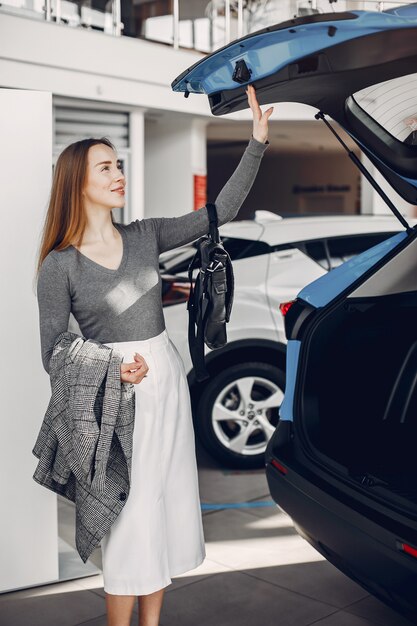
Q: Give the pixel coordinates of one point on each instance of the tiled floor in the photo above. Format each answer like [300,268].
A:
[257,571]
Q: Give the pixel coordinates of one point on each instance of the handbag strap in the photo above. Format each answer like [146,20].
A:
[195,323]
[213,222]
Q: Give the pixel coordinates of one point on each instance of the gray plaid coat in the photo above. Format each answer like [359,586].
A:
[84,445]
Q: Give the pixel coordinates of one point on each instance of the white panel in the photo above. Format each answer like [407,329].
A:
[28,522]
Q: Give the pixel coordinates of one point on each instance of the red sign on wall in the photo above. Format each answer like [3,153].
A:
[200,191]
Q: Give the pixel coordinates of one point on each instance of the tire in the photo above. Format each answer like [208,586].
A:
[236,396]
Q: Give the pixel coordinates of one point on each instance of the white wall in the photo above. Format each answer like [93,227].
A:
[28,520]
[81,63]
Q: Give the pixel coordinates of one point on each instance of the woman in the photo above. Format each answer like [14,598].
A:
[107,274]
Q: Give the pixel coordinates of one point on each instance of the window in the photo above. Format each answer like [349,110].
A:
[237,249]
[342,249]
[316,250]
[331,252]
[393,104]
[244,248]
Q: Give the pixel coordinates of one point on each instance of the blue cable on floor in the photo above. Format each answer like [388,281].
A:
[205,506]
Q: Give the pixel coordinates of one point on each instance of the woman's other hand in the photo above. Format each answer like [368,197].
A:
[139,367]
[260,120]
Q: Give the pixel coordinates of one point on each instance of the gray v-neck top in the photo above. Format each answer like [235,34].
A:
[125,304]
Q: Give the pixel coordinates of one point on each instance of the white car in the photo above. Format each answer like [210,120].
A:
[236,410]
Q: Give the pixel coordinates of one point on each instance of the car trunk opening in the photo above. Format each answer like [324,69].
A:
[360,398]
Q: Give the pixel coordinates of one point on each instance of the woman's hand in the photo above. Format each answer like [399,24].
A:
[260,120]
[140,368]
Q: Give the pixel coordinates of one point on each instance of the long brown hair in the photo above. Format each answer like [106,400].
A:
[65,219]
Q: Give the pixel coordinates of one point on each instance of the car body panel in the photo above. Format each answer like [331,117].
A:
[293,353]
[307,228]
[288,271]
[245,229]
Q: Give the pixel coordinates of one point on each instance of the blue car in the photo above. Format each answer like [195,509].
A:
[343,459]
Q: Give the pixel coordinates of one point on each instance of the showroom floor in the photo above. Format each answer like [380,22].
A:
[257,571]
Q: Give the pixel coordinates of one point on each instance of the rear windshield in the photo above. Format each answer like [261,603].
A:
[393,104]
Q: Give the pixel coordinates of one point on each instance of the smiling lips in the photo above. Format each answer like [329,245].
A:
[120,190]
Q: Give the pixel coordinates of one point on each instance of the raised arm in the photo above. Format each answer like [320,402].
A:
[177,231]
[54,303]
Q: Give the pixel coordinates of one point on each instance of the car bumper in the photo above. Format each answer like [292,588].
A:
[365,551]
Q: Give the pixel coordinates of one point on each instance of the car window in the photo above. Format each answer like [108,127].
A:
[316,250]
[342,249]
[236,247]
[169,261]
[244,248]
[333,251]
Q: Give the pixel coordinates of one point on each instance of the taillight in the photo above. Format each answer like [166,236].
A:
[284,307]
[409,549]
[280,468]
[295,314]
[174,291]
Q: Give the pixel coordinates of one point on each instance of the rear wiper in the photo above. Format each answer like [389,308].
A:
[368,175]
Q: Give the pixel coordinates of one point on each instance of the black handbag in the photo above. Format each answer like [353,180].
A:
[211,297]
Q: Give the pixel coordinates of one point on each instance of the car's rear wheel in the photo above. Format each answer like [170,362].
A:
[238,412]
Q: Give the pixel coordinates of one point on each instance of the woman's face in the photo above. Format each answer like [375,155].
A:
[105,182]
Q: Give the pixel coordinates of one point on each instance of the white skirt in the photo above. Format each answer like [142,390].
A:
[159,532]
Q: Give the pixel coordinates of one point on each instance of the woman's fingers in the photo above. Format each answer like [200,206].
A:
[133,366]
[260,119]
[134,372]
[253,102]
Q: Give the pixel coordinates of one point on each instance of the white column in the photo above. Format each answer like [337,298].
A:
[240,18]
[175,151]
[199,161]
[199,146]
[28,522]
[227,21]
[136,184]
